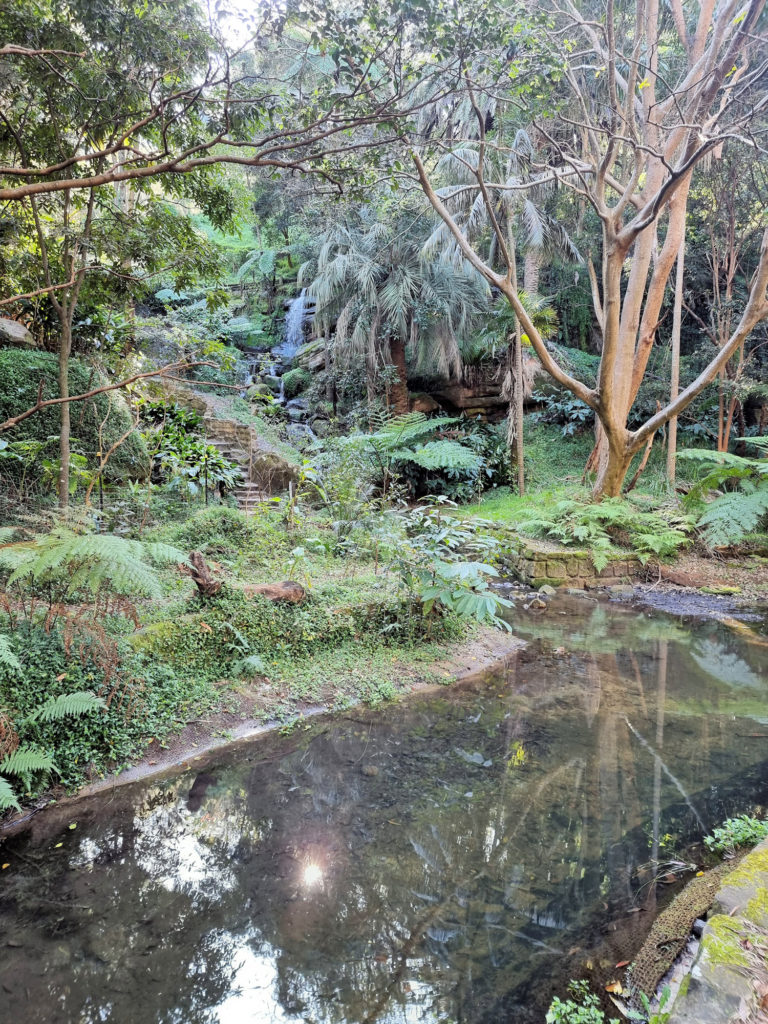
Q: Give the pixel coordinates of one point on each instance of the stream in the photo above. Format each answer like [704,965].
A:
[454,857]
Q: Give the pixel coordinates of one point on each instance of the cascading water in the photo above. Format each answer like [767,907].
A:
[298,311]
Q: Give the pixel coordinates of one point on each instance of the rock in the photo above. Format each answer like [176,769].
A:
[15,335]
[288,590]
[258,390]
[370,770]
[296,414]
[547,590]
[272,383]
[720,590]
[419,401]
[321,426]
[621,588]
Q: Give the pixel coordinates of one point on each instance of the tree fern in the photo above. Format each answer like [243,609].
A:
[89,561]
[403,430]
[731,517]
[78,703]
[443,455]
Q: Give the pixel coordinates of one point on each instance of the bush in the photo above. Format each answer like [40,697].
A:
[20,376]
[296,381]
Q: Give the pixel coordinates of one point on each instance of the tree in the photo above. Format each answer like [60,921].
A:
[626,132]
[518,216]
[371,283]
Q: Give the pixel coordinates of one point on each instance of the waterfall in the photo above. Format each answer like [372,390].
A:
[294,326]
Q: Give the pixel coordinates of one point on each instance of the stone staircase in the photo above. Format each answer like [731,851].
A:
[263,470]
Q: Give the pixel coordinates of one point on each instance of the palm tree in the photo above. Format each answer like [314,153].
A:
[372,285]
[519,213]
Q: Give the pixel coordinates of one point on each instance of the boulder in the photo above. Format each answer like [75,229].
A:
[419,401]
[258,390]
[288,590]
[15,335]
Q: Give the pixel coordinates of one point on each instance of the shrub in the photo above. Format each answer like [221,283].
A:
[598,525]
[20,375]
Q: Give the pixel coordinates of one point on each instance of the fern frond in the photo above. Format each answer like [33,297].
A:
[7,655]
[25,760]
[731,517]
[443,455]
[90,561]
[7,796]
[66,704]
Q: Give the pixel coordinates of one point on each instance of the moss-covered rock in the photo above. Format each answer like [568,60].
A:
[21,372]
[296,381]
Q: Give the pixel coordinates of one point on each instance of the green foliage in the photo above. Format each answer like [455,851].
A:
[67,562]
[28,760]
[296,381]
[584,1008]
[141,700]
[599,525]
[731,516]
[438,563]
[7,657]
[437,455]
[182,457]
[20,375]
[737,832]
[66,704]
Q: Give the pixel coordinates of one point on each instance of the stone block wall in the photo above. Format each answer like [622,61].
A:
[535,563]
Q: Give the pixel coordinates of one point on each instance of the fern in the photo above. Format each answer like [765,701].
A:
[7,796]
[7,656]
[596,526]
[404,430]
[731,517]
[443,455]
[25,760]
[76,704]
[89,562]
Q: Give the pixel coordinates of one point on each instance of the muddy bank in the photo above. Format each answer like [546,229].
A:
[489,650]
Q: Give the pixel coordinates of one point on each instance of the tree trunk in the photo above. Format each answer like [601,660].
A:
[677,315]
[613,465]
[533,256]
[399,388]
[65,347]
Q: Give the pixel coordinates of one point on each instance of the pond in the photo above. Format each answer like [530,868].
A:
[454,857]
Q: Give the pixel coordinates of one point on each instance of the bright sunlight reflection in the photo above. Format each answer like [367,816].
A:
[313,875]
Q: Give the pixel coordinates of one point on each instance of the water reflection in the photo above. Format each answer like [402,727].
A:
[453,858]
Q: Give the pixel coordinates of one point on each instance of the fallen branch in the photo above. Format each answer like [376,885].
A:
[201,575]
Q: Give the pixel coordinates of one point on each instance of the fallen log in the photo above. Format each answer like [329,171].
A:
[288,590]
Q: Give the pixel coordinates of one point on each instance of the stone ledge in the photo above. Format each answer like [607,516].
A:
[721,984]
[536,562]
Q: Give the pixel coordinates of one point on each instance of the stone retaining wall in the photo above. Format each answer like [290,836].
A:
[537,563]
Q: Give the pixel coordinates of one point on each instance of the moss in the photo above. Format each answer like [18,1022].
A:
[20,375]
[721,942]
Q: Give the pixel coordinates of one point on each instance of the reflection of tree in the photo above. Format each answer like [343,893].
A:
[379,868]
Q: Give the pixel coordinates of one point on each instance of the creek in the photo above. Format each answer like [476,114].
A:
[454,857]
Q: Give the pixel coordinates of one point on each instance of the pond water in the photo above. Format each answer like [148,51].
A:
[456,857]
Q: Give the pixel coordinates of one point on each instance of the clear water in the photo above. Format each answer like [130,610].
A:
[456,857]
